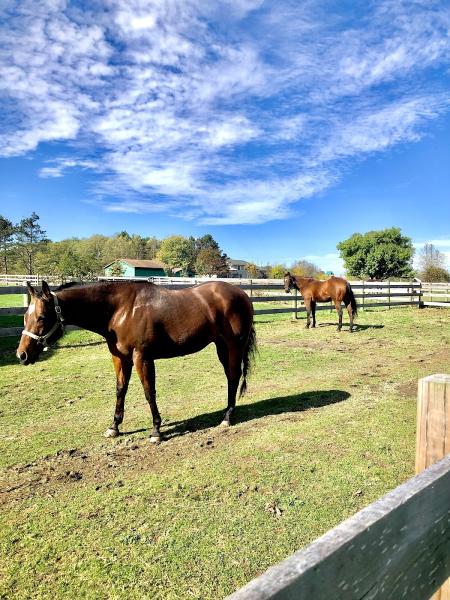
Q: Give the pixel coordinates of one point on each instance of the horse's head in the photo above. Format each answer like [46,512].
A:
[42,322]
[289,283]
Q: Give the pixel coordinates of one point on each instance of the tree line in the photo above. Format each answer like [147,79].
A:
[25,248]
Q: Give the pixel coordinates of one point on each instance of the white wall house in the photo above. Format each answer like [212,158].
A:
[237,269]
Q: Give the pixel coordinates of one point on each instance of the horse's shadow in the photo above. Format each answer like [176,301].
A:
[356,326]
[255,410]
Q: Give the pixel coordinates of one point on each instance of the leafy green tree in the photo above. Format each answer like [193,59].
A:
[152,246]
[277,271]
[211,261]
[209,258]
[7,231]
[378,254]
[95,253]
[62,259]
[177,252]
[30,239]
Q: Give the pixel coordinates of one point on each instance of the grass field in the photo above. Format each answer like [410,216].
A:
[328,426]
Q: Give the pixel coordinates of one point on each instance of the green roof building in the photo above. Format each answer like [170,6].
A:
[131,267]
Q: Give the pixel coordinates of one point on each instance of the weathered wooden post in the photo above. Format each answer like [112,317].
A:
[363,294]
[433,433]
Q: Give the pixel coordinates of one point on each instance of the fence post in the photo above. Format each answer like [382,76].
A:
[363,294]
[389,293]
[433,433]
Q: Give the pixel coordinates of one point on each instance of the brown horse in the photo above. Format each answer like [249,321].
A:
[336,289]
[142,322]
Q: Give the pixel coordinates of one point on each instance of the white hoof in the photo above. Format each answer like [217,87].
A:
[155,439]
[111,433]
[225,424]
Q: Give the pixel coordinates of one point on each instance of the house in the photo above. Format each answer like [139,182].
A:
[133,267]
[237,269]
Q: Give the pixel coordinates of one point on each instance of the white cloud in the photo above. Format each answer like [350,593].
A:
[224,112]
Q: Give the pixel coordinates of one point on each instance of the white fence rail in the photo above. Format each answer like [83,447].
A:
[267,295]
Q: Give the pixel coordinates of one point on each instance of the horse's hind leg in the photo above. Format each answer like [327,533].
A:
[146,371]
[308,313]
[123,371]
[231,359]
[313,312]
[337,303]
[350,316]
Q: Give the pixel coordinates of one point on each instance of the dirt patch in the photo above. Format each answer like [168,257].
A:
[407,390]
[127,458]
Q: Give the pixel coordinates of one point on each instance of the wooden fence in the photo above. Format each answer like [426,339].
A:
[436,294]
[268,295]
[398,547]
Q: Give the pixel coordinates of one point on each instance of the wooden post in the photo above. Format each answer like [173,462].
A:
[363,294]
[433,433]
[389,293]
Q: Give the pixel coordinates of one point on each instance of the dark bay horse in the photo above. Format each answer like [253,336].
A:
[336,289]
[142,322]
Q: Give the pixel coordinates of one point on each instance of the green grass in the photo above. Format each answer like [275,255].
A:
[327,427]
[11,300]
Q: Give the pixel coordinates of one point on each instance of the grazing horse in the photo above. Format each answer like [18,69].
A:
[336,289]
[142,322]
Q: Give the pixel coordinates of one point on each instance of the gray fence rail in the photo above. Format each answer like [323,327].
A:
[398,547]
[368,294]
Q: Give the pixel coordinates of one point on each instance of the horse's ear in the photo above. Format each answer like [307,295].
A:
[46,293]
[31,289]
[287,274]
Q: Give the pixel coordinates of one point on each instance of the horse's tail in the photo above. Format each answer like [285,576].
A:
[349,298]
[248,359]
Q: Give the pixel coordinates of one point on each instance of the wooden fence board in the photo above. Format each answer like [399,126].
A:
[398,547]
[13,311]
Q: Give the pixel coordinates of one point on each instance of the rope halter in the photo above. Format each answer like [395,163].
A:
[42,339]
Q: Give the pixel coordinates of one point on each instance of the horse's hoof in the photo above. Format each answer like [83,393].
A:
[111,433]
[155,439]
[225,423]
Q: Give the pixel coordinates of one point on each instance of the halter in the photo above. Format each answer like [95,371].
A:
[42,339]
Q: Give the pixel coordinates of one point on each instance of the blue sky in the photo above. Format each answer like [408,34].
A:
[279,127]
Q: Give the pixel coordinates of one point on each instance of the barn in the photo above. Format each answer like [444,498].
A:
[131,267]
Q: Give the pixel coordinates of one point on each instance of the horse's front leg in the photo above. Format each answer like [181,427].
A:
[122,368]
[146,371]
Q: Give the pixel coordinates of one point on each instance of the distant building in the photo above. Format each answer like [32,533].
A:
[130,267]
[237,269]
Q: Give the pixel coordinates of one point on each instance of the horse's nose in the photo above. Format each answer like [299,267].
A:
[23,357]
